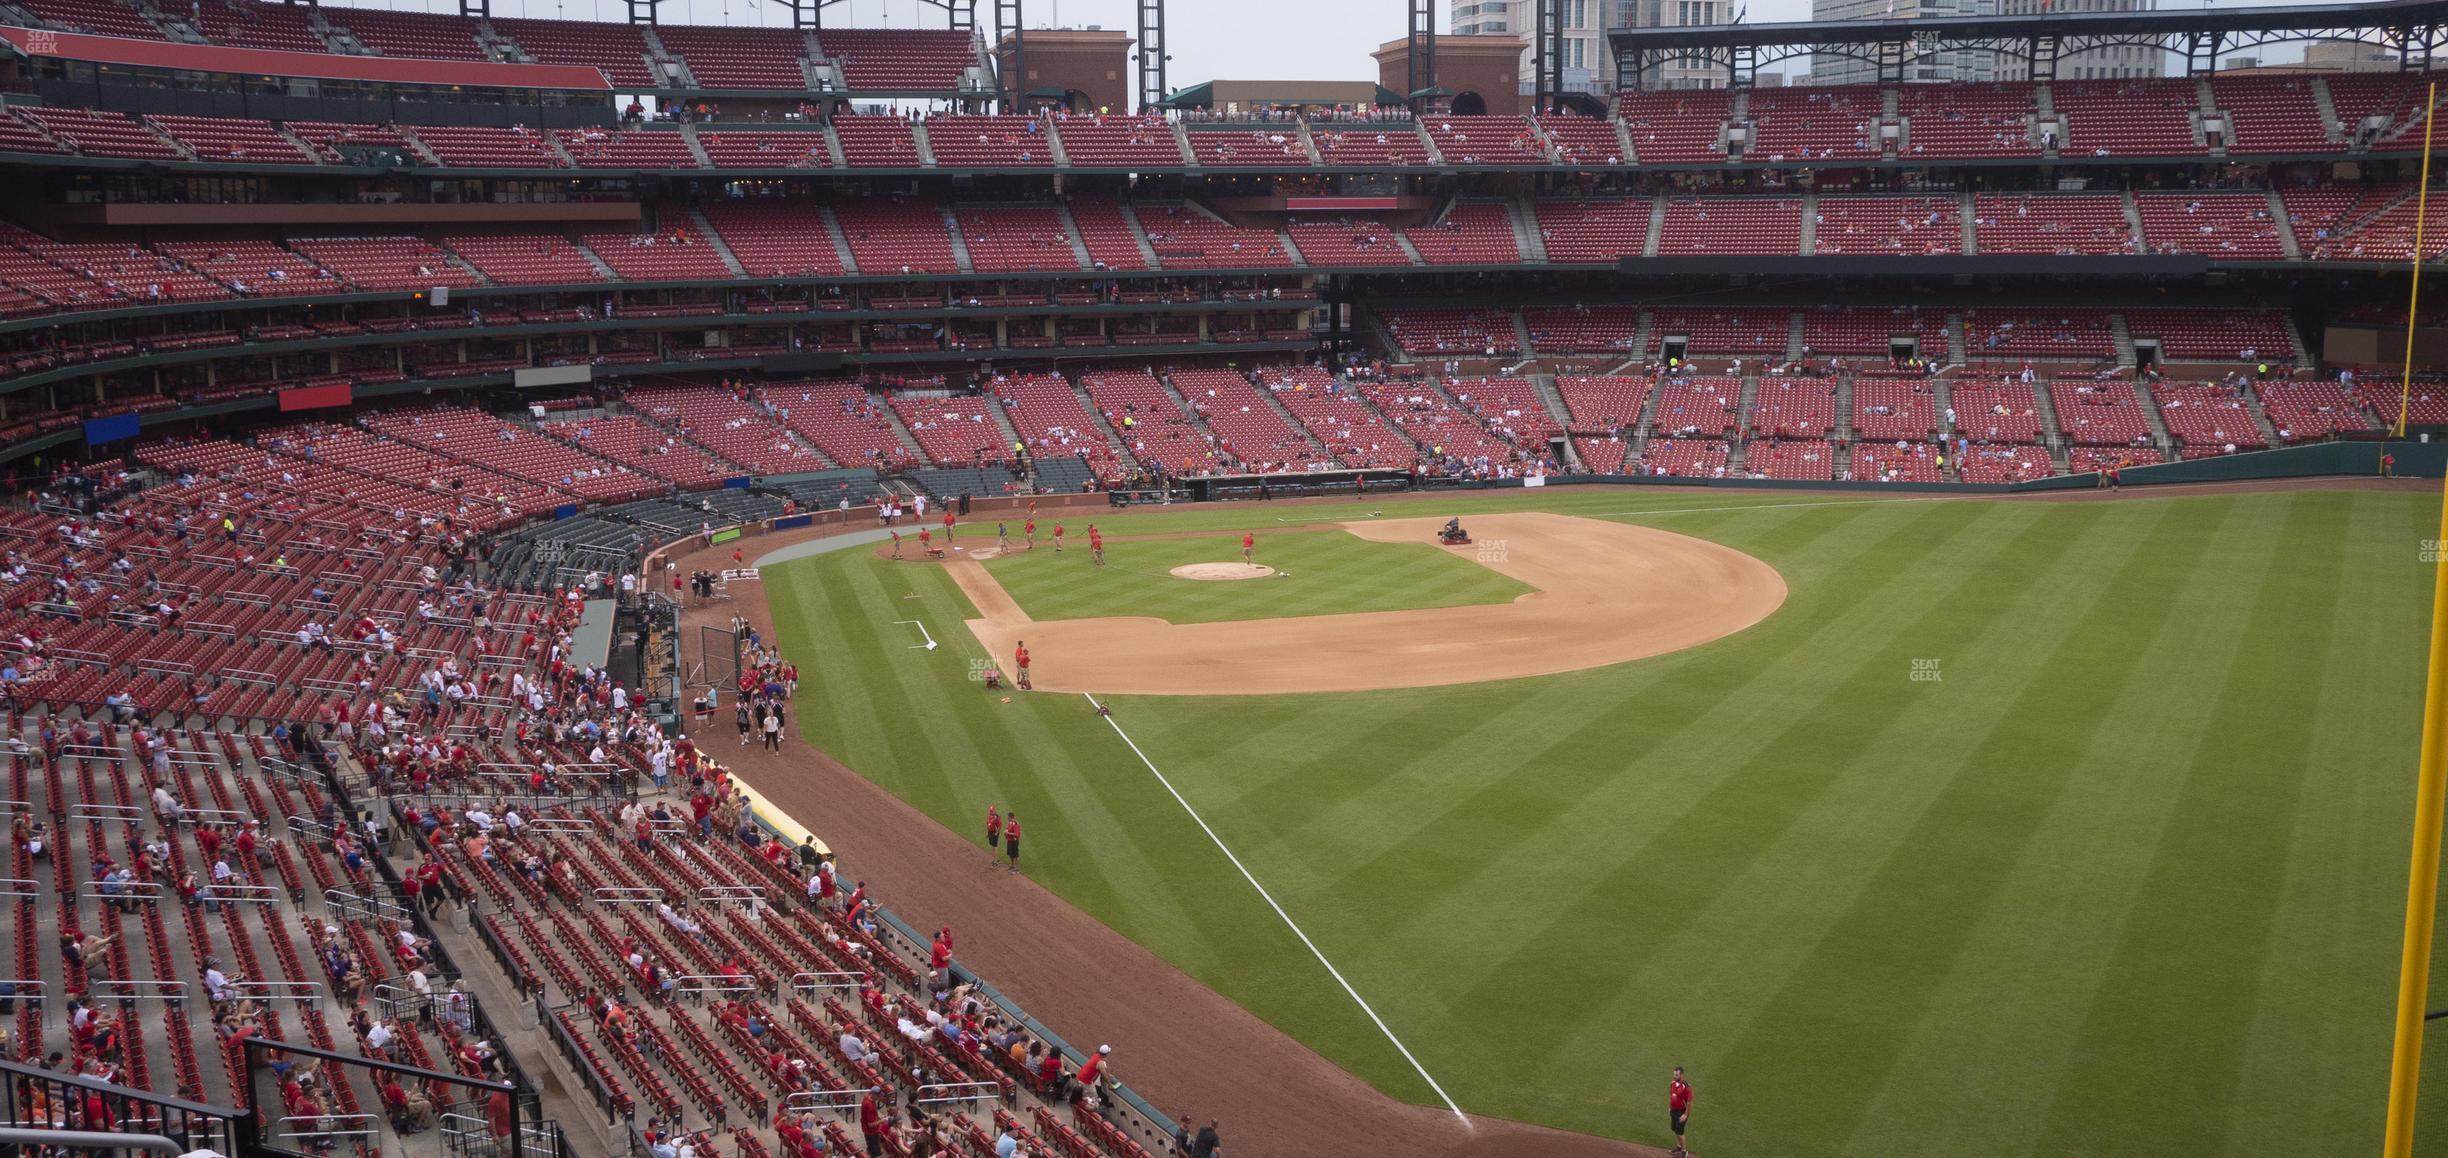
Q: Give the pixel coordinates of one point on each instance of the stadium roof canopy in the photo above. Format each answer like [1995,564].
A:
[2201,36]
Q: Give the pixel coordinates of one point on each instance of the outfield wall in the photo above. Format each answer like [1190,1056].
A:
[2314,460]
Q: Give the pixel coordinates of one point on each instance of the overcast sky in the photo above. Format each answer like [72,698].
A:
[1212,39]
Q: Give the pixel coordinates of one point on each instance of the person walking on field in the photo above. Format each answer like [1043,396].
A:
[926,543]
[1678,1109]
[1020,662]
[1096,545]
[1249,547]
[1011,842]
[896,544]
[994,833]
[773,727]
[1058,536]
[1002,537]
[947,527]
[1029,529]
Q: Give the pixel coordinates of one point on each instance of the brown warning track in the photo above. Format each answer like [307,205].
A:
[1605,593]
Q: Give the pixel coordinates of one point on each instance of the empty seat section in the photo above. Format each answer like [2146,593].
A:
[517,451]
[100,17]
[1677,126]
[2099,413]
[739,58]
[422,35]
[612,149]
[1870,332]
[1355,432]
[1613,329]
[332,139]
[2207,418]
[2244,336]
[1449,332]
[2128,118]
[1604,405]
[2003,463]
[1511,408]
[1995,412]
[1887,462]
[1580,140]
[2304,411]
[641,446]
[19,137]
[1186,238]
[844,420]
[1698,406]
[486,147]
[1397,143]
[1446,433]
[119,271]
[2066,335]
[524,258]
[673,252]
[99,134]
[1794,408]
[1472,233]
[765,149]
[232,139]
[1888,410]
[977,141]
[386,263]
[2271,114]
[728,425]
[877,142]
[1596,232]
[2220,226]
[1911,226]
[1731,225]
[1746,332]
[2060,223]
[253,268]
[1016,238]
[2318,215]
[242,24]
[1830,122]
[2425,405]
[1274,146]
[618,49]
[1118,141]
[1248,430]
[1685,457]
[1486,140]
[896,236]
[1107,234]
[1053,423]
[953,431]
[1801,459]
[1966,120]
[2384,106]
[1152,426]
[776,238]
[2380,227]
[1347,243]
[913,60]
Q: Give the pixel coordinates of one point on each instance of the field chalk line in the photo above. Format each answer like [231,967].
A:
[1269,898]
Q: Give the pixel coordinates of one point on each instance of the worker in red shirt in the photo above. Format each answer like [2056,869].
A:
[1249,544]
[871,1121]
[1058,534]
[1096,545]
[1678,1108]
[947,527]
[1011,842]
[939,957]
[1020,660]
[735,556]
[1092,1070]
[1028,529]
[896,544]
[994,828]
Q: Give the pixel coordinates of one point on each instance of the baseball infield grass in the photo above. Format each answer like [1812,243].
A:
[1318,572]
[2022,829]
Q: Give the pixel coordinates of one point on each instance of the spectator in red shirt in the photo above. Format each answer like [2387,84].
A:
[871,1122]
[1678,1109]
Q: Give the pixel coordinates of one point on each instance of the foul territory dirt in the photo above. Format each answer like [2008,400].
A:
[1605,593]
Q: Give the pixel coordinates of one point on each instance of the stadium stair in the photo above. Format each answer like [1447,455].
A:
[1071,233]
[2285,230]
[1844,409]
[2123,337]
[1130,216]
[1308,145]
[960,246]
[607,272]
[2161,440]
[2260,415]
[1104,429]
[696,147]
[1657,226]
[1526,237]
[1054,147]
[1521,334]
[420,148]
[1955,333]
[1428,142]
[2133,216]
[1793,322]
[841,241]
[926,150]
[2325,104]
[2051,436]
[1810,224]
[552,141]
[1965,215]
[705,229]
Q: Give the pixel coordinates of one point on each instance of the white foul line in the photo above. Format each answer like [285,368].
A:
[1269,898]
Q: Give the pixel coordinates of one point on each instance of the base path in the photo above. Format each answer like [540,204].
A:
[1606,593]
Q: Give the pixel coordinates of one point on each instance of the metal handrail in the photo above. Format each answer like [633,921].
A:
[799,981]
[627,896]
[978,1092]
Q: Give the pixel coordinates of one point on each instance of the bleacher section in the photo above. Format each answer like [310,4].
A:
[1355,432]
[599,148]
[1600,232]
[1675,126]
[1014,238]
[1185,238]
[899,60]
[1966,120]
[1486,140]
[2069,335]
[895,236]
[618,49]
[877,142]
[1814,123]
[2204,418]
[739,58]
[2128,118]
[1117,141]
[2060,223]
[1915,226]
[757,149]
[1471,233]
[2225,226]
[1710,225]
[1444,333]
[2099,413]
[776,238]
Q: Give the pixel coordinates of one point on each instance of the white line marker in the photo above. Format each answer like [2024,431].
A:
[1269,898]
[930,638]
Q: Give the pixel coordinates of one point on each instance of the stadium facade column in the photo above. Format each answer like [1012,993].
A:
[1152,54]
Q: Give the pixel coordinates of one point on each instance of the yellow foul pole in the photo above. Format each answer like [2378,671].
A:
[2422,883]
[2422,202]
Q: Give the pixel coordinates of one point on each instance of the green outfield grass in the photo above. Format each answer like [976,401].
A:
[2125,878]
[1320,572]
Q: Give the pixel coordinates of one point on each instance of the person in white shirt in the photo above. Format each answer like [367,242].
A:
[853,1048]
[216,983]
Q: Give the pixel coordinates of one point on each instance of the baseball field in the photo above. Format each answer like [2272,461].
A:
[1997,827]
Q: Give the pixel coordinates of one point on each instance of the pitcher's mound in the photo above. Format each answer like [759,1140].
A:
[1217,571]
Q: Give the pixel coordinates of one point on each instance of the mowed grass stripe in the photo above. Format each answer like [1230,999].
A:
[2221,839]
[2322,1001]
